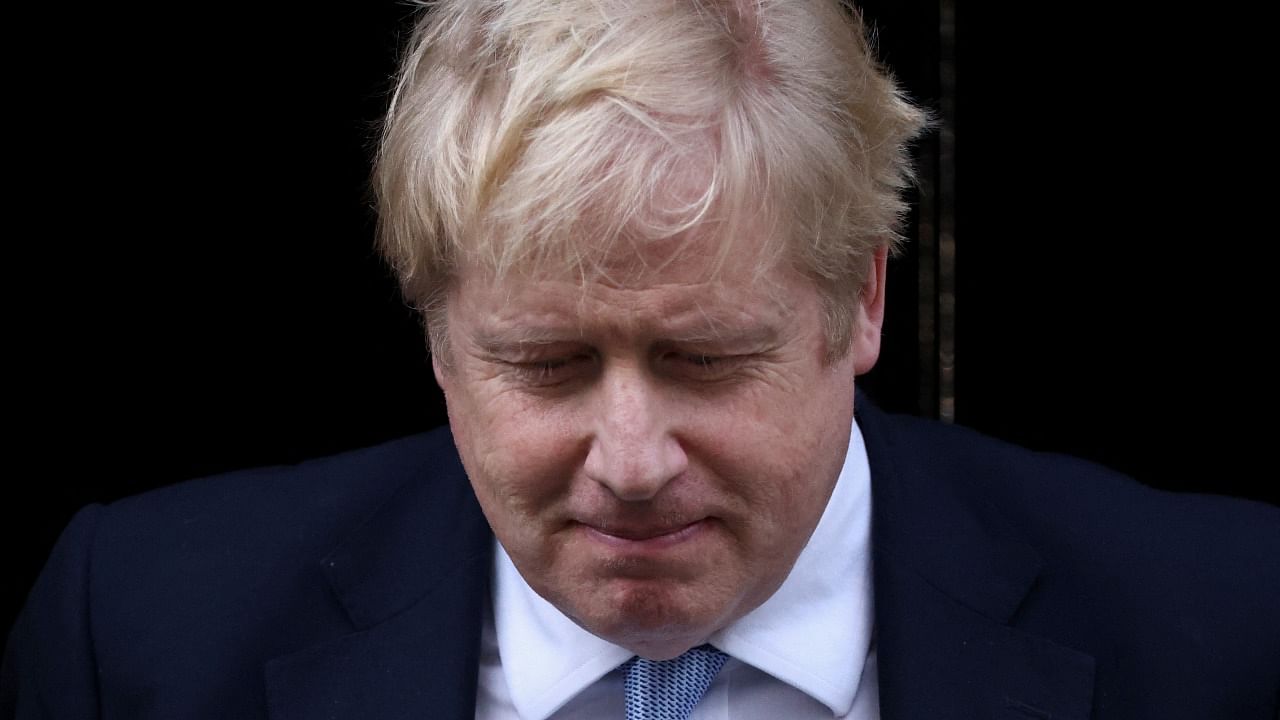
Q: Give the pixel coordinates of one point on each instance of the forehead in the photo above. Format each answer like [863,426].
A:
[680,287]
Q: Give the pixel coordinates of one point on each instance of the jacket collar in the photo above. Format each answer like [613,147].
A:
[950,574]
[413,580]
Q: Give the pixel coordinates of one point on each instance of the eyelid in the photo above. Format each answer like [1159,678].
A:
[710,363]
[550,371]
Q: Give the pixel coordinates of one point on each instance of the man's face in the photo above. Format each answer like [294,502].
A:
[653,453]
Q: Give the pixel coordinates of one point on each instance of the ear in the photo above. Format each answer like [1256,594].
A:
[870,318]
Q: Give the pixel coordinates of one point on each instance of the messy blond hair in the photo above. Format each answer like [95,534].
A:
[542,133]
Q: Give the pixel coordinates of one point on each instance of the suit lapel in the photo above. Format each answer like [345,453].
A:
[414,582]
[950,574]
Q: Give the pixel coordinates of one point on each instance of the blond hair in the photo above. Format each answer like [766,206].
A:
[543,133]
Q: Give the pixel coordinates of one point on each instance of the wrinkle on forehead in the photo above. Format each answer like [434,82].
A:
[528,311]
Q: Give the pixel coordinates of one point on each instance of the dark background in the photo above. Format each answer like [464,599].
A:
[192,286]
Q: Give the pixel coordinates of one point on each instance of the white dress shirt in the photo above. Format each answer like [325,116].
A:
[806,652]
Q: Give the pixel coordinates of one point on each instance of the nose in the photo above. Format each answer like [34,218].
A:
[633,451]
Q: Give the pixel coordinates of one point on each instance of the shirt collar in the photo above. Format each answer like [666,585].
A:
[812,634]
[815,631]
[546,658]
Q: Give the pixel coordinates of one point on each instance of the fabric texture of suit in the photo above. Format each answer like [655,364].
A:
[1008,584]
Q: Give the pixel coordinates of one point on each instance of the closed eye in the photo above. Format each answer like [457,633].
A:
[702,366]
[550,371]
[705,362]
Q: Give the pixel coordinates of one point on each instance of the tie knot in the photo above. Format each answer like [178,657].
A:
[669,689]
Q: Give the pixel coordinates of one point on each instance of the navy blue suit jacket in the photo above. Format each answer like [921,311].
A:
[1008,584]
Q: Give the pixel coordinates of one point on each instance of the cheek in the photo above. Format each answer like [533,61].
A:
[778,455]
[520,461]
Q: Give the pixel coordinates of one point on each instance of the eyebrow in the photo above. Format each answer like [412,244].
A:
[517,337]
[757,334]
[505,340]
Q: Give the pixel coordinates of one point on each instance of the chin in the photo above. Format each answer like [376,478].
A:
[652,619]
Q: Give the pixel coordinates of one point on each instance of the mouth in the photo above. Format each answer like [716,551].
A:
[645,537]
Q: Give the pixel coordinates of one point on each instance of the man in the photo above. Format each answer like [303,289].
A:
[648,238]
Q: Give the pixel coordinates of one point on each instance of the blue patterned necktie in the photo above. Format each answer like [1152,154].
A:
[669,689]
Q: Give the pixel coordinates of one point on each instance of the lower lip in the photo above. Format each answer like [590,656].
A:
[655,543]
